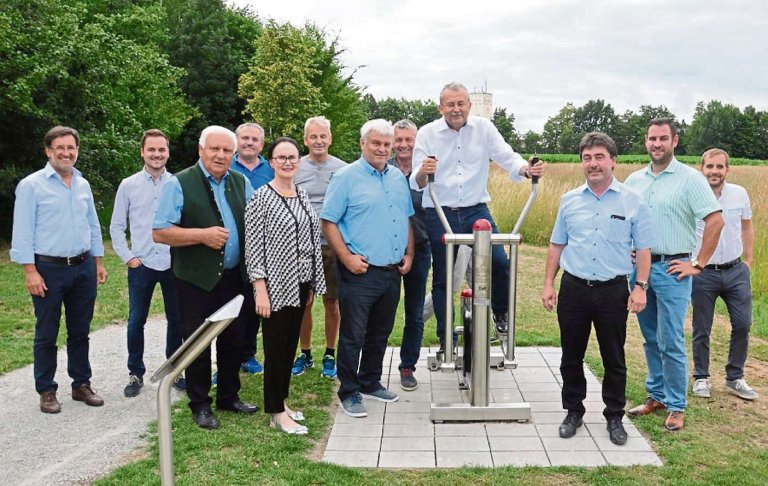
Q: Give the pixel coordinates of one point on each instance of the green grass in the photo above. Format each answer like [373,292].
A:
[642,159]
[725,440]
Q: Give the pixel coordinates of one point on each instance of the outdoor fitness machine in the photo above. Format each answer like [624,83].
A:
[473,357]
[167,373]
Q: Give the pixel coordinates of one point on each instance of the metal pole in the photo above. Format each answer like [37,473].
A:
[449,359]
[481,303]
[167,373]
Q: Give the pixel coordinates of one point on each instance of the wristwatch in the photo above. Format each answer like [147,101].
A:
[695,264]
[643,285]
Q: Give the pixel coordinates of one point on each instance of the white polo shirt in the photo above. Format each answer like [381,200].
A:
[735,202]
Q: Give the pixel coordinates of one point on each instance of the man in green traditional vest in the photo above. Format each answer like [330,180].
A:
[200,215]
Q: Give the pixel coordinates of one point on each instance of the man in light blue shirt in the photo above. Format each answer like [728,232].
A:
[458,149]
[149,263]
[57,238]
[249,162]
[678,195]
[598,225]
[365,220]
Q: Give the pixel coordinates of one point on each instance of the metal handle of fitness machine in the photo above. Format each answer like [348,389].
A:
[513,240]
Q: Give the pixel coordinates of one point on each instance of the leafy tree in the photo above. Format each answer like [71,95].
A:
[393,109]
[716,125]
[560,135]
[93,65]
[506,126]
[296,74]
[594,116]
[531,142]
[214,45]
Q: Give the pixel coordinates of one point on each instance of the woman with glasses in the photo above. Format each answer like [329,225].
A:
[282,251]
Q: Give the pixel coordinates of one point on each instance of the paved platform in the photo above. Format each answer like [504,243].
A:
[400,435]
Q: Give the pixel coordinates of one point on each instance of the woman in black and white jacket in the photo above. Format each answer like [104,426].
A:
[282,251]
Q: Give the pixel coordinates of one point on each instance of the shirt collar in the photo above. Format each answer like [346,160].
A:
[371,169]
[615,187]
[236,160]
[208,174]
[671,167]
[443,125]
[148,176]
[48,170]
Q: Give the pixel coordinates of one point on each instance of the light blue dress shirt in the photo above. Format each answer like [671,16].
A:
[600,232]
[260,175]
[136,201]
[172,201]
[371,209]
[52,219]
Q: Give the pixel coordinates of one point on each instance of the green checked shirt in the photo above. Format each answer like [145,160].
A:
[677,196]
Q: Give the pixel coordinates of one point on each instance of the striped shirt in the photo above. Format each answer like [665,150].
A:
[677,196]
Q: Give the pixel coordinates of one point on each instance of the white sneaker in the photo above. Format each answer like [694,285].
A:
[702,388]
[741,389]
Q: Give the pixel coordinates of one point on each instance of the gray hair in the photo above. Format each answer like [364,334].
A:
[218,130]
[379,125]
[453,86]
[250,125]
[317,120]
[405,124]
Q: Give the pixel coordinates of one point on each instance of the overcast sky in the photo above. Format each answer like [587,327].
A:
[537,55]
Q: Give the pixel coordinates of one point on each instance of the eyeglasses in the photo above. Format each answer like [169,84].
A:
[283,160]
[64,148]
[460,105]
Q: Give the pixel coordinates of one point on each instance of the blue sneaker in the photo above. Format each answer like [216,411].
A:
[329,367]
[382,395]
[215,379]
[252,366]
[302,364]
[353,406]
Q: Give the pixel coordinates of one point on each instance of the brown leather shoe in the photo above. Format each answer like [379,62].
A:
[48,402]
[675,421]
[649,406]
[84,393]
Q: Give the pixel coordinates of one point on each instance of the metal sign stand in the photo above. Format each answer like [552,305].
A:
[167,373]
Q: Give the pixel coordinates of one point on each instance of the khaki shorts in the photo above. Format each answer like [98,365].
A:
[329,267]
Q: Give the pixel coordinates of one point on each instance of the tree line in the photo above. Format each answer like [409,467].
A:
[114,68]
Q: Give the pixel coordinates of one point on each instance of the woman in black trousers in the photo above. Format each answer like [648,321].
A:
[282,250]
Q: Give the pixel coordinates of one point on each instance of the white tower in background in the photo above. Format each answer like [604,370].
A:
[482,102]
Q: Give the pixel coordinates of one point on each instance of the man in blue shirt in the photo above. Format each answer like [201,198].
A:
[201,217]
[149,263]
[57,238]
[598,225]
[249,162]
[365,220]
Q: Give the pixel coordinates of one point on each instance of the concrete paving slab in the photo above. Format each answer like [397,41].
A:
[520,458]
[409,460]
[352,459]
[392,444]
[409,430]
[632,458]
[516,443]
[468,444]
[572,458]
[459,459]
[572,444]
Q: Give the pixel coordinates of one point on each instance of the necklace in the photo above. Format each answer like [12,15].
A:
[290,192]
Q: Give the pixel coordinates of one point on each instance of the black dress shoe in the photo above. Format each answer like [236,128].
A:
[570,424]
[616,431]
[502,323]
[238,406]
[205,419]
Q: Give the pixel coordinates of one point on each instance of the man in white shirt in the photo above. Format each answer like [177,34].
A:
[458,149]
[149,263]
[727,277]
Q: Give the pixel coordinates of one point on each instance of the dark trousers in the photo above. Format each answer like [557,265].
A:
[196,305]
[414,286]
[578,307]
[281,335]
[734,287]
[75,287]
[368,303]
[251,322]
[461,221]
[141,285]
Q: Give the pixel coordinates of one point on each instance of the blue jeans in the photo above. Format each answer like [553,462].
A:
[415,285]
[662,326]
[75,287]
[141,285]
[461,221]
[368,303]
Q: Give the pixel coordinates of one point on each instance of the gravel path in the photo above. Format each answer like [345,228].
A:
[81,443]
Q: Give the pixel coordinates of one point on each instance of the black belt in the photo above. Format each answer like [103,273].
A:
[391,267]
[666,258]
[598,283]
[68,261]
[723,266]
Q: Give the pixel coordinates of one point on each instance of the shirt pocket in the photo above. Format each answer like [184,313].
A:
[619,230]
